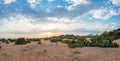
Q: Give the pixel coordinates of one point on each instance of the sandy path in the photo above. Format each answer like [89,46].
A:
[48,51]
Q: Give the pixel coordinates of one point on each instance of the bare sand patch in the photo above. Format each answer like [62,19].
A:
[117,41]
[48,51]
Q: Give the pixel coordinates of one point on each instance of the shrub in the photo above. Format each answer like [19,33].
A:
[12,40]
[0,47]
[39,42]
[99,41]
[28,41]
[103,40]
[74,44]
[20,41]
[46,38]
[44,50]
[115,45]
[36,39]
[55,39]
[7,42]
[76,52]
[66,41]
[3,40]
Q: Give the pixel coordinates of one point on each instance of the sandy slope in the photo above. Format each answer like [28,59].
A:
[117,41]
[48,51]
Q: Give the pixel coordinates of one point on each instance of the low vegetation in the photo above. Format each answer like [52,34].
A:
[99,41]
[76,52]
[103,40]
[0,47]
[44,50]
[20,41]
[39,42]
[7,42]
[55,39]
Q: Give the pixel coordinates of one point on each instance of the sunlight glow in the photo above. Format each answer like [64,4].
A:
[49,27]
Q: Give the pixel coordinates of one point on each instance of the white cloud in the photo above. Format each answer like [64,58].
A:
[75,3]
[65,20]
[70,8]
[51,0]
[59,6]
[16,23]
[33,2]
[8,1]
[103,13]
[19,24]
[76,23]
[115,2]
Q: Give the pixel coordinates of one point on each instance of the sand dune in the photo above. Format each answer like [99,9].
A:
[48,51]
[117,41]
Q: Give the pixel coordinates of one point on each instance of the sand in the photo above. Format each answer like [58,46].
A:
[48,51]
[117,41]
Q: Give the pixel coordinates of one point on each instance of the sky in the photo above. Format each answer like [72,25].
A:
[45,18]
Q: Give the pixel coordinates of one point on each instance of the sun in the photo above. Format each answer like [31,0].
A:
[46,34]
[49,33]
[49,27]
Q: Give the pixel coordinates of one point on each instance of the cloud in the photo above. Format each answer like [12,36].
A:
[21,25]
[64,20]
[40,17]
[8,1]
[51,0]
[75,3]
[16,24]
[59,6]
[115,2]
[76,25]
[95,28]
[103,13]
[33,2]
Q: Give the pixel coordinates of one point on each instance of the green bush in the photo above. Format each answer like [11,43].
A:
[28,41]
[74,44]
[7,42]
[12,40]
[99,41]
[3,40]
[36,39]
[55,39]
[66,41]
[103,40]
[20,41]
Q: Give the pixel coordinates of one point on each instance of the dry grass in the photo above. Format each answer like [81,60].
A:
[76,52]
